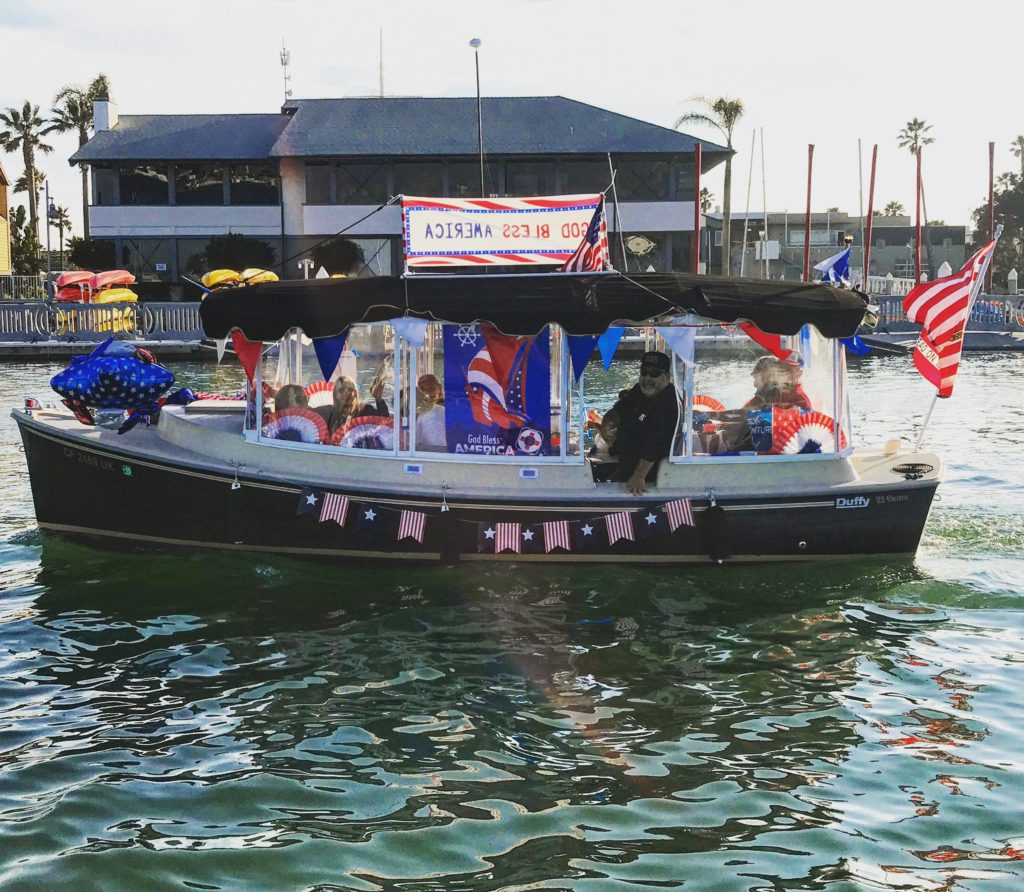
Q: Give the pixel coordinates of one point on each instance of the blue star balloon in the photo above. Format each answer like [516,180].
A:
[116,375]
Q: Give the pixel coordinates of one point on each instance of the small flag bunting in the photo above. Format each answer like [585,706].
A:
[620,526]
[334,507]
[556,535]
[411,525]
[508,537]
[309,502]
[680,512]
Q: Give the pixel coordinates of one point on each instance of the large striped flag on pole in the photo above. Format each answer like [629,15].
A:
[942,308]
[592,254]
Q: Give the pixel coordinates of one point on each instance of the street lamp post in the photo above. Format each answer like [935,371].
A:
[49,214]
[475,43]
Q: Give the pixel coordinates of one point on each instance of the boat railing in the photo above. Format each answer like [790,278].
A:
[39,321]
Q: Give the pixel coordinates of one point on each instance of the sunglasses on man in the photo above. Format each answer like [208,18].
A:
[651,373]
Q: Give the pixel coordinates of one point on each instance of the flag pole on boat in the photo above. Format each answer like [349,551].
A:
[475,43]
[807,216]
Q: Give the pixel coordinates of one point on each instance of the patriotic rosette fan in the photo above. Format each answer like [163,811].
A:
[807,433]
[704,403]
[299,424]
[365,432]
[319,393]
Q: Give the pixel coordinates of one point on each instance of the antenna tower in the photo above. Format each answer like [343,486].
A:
[286,58]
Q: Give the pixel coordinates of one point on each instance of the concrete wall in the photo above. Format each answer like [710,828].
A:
[151,222]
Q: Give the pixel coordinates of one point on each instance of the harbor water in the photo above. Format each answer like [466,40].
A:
[223,721]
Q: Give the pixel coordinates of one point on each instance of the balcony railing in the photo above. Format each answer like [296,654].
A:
[35,322]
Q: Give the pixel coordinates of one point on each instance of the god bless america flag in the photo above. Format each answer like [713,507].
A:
[941,308]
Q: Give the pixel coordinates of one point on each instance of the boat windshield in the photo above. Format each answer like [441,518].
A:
[470,392]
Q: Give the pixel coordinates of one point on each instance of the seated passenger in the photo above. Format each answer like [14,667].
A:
[649,414]
[290,396]
[429,393]
[604,439]
[777,383]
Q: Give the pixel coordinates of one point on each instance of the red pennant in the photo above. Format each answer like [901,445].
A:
[248,353]
[771,343]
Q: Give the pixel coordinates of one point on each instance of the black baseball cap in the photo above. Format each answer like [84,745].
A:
[655,359]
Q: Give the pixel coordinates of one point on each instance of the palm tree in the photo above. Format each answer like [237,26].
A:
[62,221]
[21,184]
[72,111]
[23,130]
[1017,147]
[1004,181]
[722,114]
[893,209]
[913,138]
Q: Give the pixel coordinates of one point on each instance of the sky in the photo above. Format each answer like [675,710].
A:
[835,75]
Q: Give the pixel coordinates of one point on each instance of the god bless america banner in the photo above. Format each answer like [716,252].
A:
[483,231]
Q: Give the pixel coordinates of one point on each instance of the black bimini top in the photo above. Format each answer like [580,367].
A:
[524,304]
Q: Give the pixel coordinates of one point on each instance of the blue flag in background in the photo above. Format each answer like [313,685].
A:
[836,269]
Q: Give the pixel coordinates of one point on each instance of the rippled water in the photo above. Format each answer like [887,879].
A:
[219,721]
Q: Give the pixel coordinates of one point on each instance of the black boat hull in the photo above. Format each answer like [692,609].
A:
[85,490]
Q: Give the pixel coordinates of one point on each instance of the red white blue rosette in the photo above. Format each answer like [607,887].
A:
[704,403]
[299,424]
[365,432]
[320,393]
[807,433]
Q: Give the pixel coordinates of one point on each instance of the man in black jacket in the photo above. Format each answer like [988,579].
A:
[649,414]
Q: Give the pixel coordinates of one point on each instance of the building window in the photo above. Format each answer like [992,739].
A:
[254,184]
[464,179]
[150,259]
[684,181]
[584,177]
[198,184]
[104,186]
[524,178]
[143,184]
[418,178]
[642,180]
[318,183]
[362,183]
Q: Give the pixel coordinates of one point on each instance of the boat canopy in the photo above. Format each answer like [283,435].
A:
[523,304]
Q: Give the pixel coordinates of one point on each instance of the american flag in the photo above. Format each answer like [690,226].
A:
[592,254]
[508,537]
[411,525]
[679,512]
[941,308]
[556,535]
[620,526]
[334,508]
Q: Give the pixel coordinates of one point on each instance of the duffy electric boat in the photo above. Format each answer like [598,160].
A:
[486,459]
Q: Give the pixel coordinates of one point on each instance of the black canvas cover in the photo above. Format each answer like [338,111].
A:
[524,304]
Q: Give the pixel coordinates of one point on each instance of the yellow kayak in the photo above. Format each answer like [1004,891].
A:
[253,276]
[114,296]
[220,278]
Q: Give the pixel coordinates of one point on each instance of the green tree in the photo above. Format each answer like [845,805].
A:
[234,251]
[21,184]
[707,200]
[339,255]
[23,129]
[91,254]
[1006,181]
[1017,147]
[914,137]
[893,209]
[1009,210]
[723,114]
[72,112]
[24,244]
[62,221]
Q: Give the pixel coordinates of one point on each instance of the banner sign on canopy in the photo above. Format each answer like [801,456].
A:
[482,231]
[496,391]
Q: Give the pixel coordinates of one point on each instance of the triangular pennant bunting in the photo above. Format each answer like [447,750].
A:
[248,353]
[328,352]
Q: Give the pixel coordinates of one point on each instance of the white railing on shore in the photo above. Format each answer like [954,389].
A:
[33,322]
[22,288]
[993,310]
[889,285]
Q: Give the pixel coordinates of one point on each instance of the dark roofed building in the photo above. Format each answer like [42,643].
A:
[162,185]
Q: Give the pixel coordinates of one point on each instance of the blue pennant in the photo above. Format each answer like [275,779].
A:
[608,343]
[328,352]
[581,347]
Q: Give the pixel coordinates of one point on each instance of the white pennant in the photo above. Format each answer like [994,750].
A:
[681,340]
[412,329]
[222,346]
